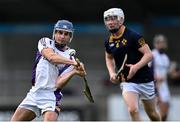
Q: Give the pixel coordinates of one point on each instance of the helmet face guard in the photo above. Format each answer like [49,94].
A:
[114,14]
[64,25]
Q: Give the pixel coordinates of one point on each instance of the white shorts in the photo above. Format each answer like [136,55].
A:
[163,91]
[145,90]
[39,101]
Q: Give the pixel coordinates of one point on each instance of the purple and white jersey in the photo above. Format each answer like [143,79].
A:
[45,73]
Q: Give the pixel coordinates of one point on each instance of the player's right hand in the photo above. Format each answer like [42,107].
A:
[75,63]
[80,70]
[113,78]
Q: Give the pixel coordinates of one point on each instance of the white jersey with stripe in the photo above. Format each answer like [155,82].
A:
[160,64]
[46,73]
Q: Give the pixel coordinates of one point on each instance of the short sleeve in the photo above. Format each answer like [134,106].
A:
[45,43]
[139,40]
[106,44]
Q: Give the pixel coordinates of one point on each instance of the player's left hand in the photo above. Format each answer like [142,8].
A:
[132,70]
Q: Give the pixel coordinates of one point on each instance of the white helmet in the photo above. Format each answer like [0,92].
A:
[114,12]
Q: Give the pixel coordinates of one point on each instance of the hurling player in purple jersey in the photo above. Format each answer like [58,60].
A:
[136,78]
[54,67]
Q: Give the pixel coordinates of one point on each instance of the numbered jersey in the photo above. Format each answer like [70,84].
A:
[45,73]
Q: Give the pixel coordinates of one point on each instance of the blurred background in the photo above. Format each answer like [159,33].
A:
[23,23]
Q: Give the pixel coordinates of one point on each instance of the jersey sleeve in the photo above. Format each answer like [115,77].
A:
[45,43]
[139,40]
[106,44]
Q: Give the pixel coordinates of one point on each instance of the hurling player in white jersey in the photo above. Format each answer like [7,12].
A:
[160,65]
[54,67]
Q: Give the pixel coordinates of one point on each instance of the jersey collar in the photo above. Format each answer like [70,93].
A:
[120,32]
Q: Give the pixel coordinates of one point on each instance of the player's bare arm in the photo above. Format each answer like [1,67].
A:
[111,67]
[55,58]
[64,79]
[147,57]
